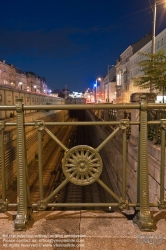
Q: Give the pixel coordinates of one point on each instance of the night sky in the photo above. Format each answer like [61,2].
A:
[70,41]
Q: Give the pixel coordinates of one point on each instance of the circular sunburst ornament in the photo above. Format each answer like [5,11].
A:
[82,165]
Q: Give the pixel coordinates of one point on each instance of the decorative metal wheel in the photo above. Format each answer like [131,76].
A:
[82,165]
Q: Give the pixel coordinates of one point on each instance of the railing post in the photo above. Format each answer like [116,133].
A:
[124,124]
[145,221]
[40,126]
[3,201]
[99,113]
[21,218]
[162,202]
[106,115]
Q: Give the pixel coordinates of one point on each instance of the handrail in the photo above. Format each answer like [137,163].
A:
[85,106]
[83,123]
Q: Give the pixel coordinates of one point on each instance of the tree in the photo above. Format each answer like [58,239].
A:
[154,72]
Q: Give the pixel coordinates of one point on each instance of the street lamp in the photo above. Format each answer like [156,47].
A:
[154,23]
[154,28]
[95,85]
[109,81]
[108,84]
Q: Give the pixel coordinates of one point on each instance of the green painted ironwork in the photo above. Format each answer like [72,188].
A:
[56,139]
[22,207]
[43,204]
[124,125]
[82,164]
[3,200]
[154,131]
[162,202]
[145,221]
[40,126]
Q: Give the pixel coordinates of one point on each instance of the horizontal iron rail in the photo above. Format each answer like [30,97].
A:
[84,106]
[85,205]
[81,106]
[82,123]
[7,107]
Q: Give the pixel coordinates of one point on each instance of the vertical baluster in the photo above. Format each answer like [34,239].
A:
[124,124]
[3,201]
[40,126]
[162,204]
[21,218]
[145,221]
[124,166]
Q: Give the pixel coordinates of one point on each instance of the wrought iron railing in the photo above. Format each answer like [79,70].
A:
[154,131]
[82,164]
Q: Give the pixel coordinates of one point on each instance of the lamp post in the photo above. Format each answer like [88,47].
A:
[109,81]
[154,23]
[97,79]
[154,28]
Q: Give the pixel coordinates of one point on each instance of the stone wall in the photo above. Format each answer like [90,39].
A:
[112,159]
[31,140]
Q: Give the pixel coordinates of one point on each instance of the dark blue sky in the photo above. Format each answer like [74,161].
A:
[70,41]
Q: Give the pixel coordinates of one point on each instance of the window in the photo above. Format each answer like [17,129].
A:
[9,98]
[158,45]
[118,81]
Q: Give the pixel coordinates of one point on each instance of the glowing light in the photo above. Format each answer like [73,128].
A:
[20,83]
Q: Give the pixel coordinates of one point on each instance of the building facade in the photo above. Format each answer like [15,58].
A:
[135,71]
[123,69]
[12,77]
[115,87]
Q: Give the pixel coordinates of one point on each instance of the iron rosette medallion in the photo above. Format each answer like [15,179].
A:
[82,165]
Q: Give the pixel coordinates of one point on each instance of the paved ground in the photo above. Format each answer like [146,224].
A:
[91,229]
